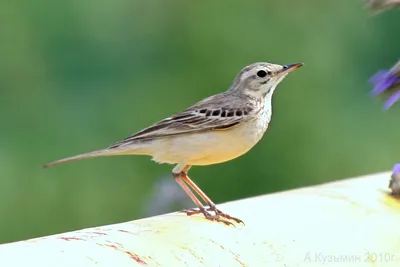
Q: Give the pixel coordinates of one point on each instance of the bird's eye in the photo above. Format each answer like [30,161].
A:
[261,73]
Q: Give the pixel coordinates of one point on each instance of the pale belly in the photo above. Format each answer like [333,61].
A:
[209,147]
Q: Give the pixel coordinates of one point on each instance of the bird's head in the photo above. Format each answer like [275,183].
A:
[260,79]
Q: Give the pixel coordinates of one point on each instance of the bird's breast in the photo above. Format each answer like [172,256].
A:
[252,131]
[206,148]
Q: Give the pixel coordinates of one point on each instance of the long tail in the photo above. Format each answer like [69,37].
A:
[98,153]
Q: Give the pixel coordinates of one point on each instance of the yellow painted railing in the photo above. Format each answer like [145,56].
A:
[352,222]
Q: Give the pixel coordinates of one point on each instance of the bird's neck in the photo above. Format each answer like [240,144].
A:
[267,105]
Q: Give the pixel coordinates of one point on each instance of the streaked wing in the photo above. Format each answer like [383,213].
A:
[218,112]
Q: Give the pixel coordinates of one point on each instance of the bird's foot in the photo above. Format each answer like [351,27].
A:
[227,216]
[218,214]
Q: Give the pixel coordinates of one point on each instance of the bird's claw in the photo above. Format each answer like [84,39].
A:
[217,217]
[227,216]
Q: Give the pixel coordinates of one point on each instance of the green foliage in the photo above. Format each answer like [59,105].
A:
[76,76]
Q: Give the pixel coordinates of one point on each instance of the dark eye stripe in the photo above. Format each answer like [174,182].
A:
[264,82]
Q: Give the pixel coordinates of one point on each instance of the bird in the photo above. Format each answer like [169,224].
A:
[214,130]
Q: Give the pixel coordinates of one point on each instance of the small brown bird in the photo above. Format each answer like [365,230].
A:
[217,129]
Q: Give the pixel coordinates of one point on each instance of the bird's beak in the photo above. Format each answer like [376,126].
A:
[290,67]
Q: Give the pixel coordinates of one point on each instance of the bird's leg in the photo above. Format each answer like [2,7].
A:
[207,215]
[212,206]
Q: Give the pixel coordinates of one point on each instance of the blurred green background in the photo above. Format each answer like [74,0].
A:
[76,76]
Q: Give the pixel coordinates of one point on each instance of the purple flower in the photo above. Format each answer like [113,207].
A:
[387,82]
[396,169]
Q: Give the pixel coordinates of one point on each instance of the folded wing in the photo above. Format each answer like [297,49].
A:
[209,114]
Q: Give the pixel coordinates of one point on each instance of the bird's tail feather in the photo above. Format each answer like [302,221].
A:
[98,153]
